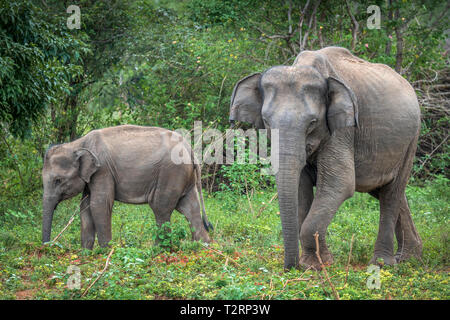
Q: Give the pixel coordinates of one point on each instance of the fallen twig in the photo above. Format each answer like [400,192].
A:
[349,257]
[220,92]
[297,279]
[223,255]
[430,154]
[248,198]
[316,237]
[322,281]
[265,206]
[101,274]
[67,225]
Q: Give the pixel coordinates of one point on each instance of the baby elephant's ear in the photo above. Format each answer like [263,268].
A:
[246,101]
[342,105]
[88,164]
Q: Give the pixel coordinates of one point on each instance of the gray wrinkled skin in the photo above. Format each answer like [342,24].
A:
[345,125]
[131,164]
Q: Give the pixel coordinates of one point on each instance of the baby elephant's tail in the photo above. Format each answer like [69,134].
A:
[206,223]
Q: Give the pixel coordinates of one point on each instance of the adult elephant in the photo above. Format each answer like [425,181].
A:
[131,164]
[345,125]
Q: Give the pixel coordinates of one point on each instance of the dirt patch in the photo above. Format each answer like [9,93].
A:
[25,294]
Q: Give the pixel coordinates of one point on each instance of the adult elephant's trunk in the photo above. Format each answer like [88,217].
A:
[49,206]
[291,162]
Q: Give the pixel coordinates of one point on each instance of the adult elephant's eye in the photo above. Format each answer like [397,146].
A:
[57,181]
[312,125]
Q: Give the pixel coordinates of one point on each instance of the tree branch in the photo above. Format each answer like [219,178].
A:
[316,238]
[101,274]
[355,26]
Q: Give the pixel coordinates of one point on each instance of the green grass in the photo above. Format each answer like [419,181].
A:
[244,262]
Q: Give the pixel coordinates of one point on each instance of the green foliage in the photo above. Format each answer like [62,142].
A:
[244,262]
[432,157]
[20,172]
[242,178]
[169,236]
[212,13]
[33,63]
[170,63]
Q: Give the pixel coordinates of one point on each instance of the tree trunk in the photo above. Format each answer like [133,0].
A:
[399,36]
[355,26]
[389,30]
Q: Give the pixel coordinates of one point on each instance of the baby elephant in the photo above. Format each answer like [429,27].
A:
[131,164]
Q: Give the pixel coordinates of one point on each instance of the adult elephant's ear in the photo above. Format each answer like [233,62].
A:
[342,108]
[88,163]
[246,101]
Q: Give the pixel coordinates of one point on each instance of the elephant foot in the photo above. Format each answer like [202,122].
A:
[104,243]
[87,246]
[310,260]
[382,259]
[201,236]
[406,253]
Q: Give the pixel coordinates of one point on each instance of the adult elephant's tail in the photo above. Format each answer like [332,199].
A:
[198,173]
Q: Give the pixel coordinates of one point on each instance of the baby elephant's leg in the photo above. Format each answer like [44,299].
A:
[189,205]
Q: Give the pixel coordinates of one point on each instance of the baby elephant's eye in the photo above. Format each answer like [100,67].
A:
[57,181]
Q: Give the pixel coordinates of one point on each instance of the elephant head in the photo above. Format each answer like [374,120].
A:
[65,174]
[306,104]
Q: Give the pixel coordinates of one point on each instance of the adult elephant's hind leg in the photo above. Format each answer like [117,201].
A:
[409,243]
[408,239]
[395,215]
[189,206]
[163,205]
[389,210]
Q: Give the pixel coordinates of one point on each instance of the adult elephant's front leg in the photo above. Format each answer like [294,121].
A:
[335,184]
[87,223]
[101,203]
[305,194]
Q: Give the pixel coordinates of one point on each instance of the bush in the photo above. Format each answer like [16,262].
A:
[169,236]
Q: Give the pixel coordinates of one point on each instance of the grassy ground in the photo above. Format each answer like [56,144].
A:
[244,262]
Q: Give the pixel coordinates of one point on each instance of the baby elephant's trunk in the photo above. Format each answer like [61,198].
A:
[49,206]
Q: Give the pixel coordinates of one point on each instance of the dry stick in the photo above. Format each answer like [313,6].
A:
[248,198]
[213,178]
[403,245]
[101,274]
[349,257]
[69,223]
[223,255]
[316,237]
[220,92]
[322,281]
[64,229]
[298,279]
[430,154]
[265,206]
